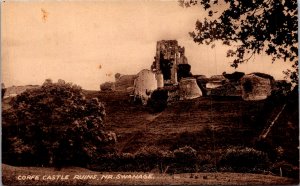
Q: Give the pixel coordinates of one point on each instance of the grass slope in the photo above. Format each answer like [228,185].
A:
[203,123]
[208,124]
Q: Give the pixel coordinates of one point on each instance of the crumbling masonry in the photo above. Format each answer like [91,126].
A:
[168,56]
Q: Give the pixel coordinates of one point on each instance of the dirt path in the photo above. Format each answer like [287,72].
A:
[79,176]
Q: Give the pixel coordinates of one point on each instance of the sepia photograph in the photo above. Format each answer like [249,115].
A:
[149,92]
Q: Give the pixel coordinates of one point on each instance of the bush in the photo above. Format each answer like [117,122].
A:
[3,90]
[184,70]
[137,100]
[107,86]
[233,77]
[114,162]
[287,169]
[146,159]
[281,88]
[185,159]
[158,100]
[149,158]
[244,159]
[185,153]
[56,124]
[248,87]
[266,145]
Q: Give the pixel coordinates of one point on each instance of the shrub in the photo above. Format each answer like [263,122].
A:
[184,70]
[248,87]
[56,124]
[185,159]
[148,158]
[266,145]
[3,90]
[281,88]
[244,159]
[233,77]
[116,162]
[287,169]
[107,86]
[185,153]
[202,87]
[145,159]
[158,100]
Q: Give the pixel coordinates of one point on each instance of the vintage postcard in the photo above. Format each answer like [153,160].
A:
[140,92]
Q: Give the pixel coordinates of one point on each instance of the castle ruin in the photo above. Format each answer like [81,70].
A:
[170,71]
[168,56]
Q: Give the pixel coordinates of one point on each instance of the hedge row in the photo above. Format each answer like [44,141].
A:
[184,159]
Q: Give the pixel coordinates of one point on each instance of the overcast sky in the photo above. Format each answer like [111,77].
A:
[88,42]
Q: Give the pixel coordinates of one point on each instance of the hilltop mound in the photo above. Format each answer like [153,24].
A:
[210,125]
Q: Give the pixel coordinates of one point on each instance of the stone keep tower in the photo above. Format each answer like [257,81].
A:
[168,56]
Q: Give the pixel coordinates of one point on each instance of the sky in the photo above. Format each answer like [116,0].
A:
[87,42]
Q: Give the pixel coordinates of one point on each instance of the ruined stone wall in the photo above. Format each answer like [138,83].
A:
[215,81]
[123,82]
[144,85]
[160,80]
[189,89]
[168,55]
[255,87]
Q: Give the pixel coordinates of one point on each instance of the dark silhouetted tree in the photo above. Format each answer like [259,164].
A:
[250,27]
[54,125]
[184,70]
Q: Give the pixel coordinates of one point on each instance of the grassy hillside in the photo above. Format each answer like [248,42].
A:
[210,125]
[202,123]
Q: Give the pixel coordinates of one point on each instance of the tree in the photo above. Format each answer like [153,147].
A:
[250,27]
[184,70]
[3,90]
[158,100]
[54,125]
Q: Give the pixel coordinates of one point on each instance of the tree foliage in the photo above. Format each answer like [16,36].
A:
[184,70]
[250,27]
[54,125]
[158,100]
[242,159]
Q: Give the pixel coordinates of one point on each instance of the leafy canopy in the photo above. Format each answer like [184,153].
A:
[54,125]
[250,27]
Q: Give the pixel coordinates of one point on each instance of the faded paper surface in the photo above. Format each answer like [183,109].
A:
[93,43]
[62,39]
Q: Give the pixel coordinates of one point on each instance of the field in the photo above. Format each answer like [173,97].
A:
[10,175]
